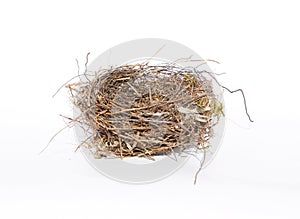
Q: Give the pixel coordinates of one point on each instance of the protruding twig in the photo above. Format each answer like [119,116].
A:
[145,62]
[245,104]
[232,91]
[201,166]
[78,67]
[86,62]
[67,126]
[66,83]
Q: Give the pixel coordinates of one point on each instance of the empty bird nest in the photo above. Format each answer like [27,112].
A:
[143,110]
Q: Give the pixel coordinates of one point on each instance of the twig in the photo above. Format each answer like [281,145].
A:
[78,67]
[67,126]
[86,62]
[232,91]
[245,104]
[200,168]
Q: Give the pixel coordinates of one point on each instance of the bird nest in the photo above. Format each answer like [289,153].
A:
[143,110]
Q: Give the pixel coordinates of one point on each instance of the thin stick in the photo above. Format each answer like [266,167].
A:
[146,61]
[200,168]
[204,60]
[67,126]
[86,62]
[82,143]
[245,104]
[64,84]
[78,67]
[233,91]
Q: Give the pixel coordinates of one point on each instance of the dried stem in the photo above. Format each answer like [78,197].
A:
[233,91]
[51,139]
[201,166]
[244,98]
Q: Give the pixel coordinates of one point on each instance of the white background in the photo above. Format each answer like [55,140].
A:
[256,173]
